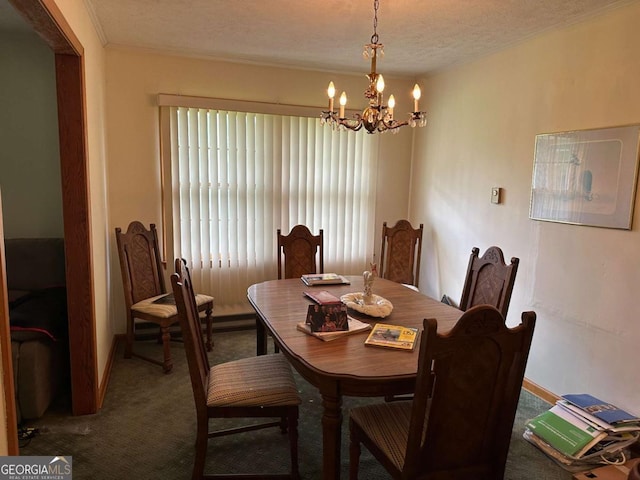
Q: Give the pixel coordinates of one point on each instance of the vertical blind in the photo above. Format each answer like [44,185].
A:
[237,177]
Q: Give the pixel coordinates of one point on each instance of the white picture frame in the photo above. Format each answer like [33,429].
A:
[586,177]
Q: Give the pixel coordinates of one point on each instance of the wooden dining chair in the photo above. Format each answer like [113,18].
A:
[145,294]
[300,252]
[253,387]
[458,425]
[400,253]
[489,280]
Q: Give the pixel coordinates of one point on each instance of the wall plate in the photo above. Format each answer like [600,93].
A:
[495,194]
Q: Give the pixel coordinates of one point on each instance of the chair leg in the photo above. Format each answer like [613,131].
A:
[167,364]
[354,456]
[202,437]
[293,442]
[284,424]
[209,322]
[128,348]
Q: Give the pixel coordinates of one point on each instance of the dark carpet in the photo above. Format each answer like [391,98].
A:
[145,429]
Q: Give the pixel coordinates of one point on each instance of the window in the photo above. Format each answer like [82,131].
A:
[237,177]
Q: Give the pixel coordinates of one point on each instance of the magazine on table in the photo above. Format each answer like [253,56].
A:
[313,279]
[392,336]
[323,297]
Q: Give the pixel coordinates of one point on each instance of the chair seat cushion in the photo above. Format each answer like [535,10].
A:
[387,424]
[201,299]
[149,306]
[265,380]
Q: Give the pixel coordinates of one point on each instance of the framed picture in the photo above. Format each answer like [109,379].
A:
[586,177]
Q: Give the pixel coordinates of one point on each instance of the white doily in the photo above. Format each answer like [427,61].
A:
[376,306]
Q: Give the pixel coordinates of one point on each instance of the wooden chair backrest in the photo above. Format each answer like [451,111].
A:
[467,392]
[191,334]
[301,252]
[400,252]
[489,280]
[140,263]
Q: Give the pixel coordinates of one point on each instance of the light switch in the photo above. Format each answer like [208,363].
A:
[495,194]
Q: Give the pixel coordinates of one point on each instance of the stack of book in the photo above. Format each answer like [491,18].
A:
[582,429]
[313,279]
[327,318]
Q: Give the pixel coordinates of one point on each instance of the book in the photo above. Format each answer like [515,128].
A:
[600,409]
[323,297]
[167,299]
[621,427]
[565,432]
[593,456]
[392,336]
[331,317]
[612,443]
[324,279]
[355,326]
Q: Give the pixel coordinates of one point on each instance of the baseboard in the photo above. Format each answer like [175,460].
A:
[540,392]
[102,390]
[226,323]
[234,322]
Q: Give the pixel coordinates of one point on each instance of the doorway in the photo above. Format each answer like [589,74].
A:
[47,20]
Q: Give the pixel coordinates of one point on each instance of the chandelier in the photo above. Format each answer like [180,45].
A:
[377,117]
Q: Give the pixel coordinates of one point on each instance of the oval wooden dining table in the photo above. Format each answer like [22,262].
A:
[344,366]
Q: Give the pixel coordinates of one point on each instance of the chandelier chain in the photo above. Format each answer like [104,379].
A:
[374,37]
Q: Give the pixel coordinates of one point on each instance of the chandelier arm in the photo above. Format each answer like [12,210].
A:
[352,124]
[391,125]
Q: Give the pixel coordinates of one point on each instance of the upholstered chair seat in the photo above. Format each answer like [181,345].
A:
[165,310]
[263,380]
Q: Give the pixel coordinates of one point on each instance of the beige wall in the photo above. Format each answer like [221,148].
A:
[581,281]
[135,78]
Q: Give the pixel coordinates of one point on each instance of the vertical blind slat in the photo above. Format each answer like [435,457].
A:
[237,177]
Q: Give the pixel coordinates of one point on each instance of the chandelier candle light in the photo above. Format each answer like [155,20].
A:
[377,117]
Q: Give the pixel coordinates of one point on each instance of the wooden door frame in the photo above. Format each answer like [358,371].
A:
[11,417]
[48,22]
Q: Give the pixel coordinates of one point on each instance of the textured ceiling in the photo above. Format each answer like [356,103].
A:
[420,36]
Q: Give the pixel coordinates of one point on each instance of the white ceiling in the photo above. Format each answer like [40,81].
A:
[420,36]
